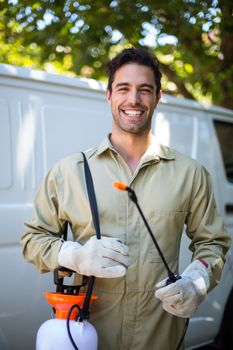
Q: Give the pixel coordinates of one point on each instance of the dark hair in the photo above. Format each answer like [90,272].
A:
[134,55]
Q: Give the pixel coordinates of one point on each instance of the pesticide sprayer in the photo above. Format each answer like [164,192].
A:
[70,329]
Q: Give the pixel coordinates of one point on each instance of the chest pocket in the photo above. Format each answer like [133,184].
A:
[167,228]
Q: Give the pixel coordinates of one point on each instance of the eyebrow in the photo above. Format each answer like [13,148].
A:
[142,85]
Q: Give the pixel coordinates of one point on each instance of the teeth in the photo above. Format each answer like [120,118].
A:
[133,113]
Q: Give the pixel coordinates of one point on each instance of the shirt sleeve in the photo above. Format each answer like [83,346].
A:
[205,227]
[41,240]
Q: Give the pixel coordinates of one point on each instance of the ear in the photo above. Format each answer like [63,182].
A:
[108,96]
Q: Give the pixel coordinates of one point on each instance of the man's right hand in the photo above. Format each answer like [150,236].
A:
[106,257]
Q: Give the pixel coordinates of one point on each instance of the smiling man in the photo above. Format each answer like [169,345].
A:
[134,90]
[136,309]
[133,99]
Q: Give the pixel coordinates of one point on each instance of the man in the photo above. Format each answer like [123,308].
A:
[172,189]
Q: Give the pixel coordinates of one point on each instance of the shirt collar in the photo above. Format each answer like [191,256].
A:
[105,145]
[155,151]
[158,151]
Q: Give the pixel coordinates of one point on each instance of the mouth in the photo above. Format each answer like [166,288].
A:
[132,113]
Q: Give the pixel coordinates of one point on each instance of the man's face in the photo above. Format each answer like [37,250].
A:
[133,98]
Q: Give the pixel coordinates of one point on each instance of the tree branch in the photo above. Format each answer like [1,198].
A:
[179,83]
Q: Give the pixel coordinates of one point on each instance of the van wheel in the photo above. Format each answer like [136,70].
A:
[224,340]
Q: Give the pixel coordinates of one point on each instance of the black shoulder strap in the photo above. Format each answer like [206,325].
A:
[92,201]
[91,196]
[65,231]
[84,312]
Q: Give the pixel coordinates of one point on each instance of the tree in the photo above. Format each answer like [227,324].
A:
[192,39]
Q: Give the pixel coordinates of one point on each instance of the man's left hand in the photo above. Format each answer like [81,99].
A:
[183,297]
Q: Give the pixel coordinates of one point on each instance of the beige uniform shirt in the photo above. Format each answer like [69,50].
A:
[172,190]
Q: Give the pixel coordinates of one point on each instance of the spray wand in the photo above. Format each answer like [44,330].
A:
[122,187]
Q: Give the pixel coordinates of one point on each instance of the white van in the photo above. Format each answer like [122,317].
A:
[44,117]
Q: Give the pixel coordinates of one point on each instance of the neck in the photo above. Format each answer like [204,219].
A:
[131,147]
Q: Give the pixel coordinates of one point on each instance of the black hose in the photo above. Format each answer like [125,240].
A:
[183,334]
[68,324]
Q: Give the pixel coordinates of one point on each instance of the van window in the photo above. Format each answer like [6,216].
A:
[224,132]
[5,146]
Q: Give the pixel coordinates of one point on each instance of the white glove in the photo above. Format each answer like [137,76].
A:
[183,297]
[106,257]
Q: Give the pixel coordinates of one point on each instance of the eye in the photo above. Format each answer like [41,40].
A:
[122,89]
[145,90]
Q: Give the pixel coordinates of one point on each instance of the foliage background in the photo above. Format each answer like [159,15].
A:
[193,39]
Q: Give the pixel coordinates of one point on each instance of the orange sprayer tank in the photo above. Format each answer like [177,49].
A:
[53,334]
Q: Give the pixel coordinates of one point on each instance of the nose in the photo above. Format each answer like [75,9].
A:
[134,97]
